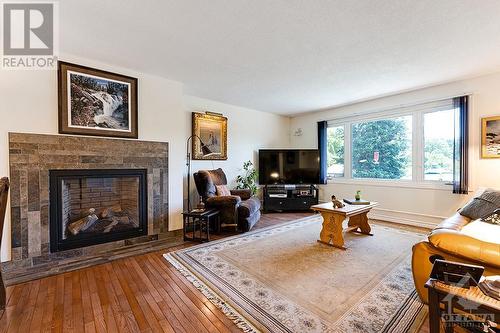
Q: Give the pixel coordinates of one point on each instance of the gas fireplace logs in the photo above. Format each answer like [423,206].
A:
[83,223]
[110,211]
[108,219]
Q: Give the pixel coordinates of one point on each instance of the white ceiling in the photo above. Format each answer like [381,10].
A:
[289,56]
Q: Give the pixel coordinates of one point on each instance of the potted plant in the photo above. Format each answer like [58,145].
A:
[248,180]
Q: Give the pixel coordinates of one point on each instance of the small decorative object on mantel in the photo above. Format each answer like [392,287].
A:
[337,203]
[490,138]
[211,128]
[95,102]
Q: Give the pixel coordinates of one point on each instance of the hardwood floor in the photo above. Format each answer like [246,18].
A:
[143,293]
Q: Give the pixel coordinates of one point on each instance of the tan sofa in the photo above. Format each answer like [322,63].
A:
[460,239]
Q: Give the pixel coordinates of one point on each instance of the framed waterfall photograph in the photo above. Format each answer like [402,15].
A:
[211,130]
[490,137]
[96,102]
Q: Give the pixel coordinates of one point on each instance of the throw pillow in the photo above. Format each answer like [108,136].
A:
[222,190]
[493,218]
[482,206]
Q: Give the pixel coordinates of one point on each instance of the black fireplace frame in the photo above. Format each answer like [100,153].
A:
[57,243]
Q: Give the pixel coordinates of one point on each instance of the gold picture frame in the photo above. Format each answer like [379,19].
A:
[211,129]
[490,137]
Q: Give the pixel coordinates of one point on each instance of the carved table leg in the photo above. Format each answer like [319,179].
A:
[363,224]
[360,221]
[326,233]
[332,230]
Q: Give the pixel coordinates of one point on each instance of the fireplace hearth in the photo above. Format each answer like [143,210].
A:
[95,206]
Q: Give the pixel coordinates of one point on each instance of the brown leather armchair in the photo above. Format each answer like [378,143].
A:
[238,208]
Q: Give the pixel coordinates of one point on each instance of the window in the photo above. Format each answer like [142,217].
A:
[412,144]
[335,151]
[438,145]
[382,148]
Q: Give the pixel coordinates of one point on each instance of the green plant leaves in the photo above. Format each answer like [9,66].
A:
[248,180]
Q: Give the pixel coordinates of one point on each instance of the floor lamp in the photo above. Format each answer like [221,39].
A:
[204,152]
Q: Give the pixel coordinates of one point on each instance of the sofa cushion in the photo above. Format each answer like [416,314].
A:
[248,207]
[228,201]
[470,244]
[482,205]
[455,222]
[493,218]
[484,231]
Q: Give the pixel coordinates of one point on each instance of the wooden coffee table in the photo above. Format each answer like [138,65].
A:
[332,231]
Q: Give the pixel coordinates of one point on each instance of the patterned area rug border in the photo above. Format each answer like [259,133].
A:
[234,315]
[408,318]
[213,297]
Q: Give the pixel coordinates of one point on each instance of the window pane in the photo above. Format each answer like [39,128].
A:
[336,151]
[438,145]
[382,149]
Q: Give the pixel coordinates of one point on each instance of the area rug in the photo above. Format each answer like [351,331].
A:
[280,279]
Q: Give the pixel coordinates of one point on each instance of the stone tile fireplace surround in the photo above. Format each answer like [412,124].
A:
[33,156]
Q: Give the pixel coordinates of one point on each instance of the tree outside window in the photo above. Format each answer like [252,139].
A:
[438,145]
[382,149]
[335,151]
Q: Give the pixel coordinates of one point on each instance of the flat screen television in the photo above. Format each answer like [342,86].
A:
[288,166]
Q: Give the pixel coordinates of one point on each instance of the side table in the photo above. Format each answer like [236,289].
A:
[472,307]
[196,224]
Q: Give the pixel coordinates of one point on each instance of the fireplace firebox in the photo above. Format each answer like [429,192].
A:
[89,207]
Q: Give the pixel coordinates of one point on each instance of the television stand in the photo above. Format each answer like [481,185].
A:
[290,197]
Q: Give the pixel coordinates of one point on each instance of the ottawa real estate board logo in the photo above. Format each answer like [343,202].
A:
[29,35]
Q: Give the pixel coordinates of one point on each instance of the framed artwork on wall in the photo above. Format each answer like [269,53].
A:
[490,137]
[95,102]
[212,131]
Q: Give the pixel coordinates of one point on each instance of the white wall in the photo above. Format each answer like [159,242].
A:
[248,131]
[418,205]
[28,103]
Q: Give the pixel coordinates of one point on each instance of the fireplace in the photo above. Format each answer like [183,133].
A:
[95,206]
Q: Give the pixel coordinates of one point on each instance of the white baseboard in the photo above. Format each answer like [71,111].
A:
[409,218]
[414,219]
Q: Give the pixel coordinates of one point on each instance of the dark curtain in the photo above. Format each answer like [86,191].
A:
[461,146]
[322,146]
